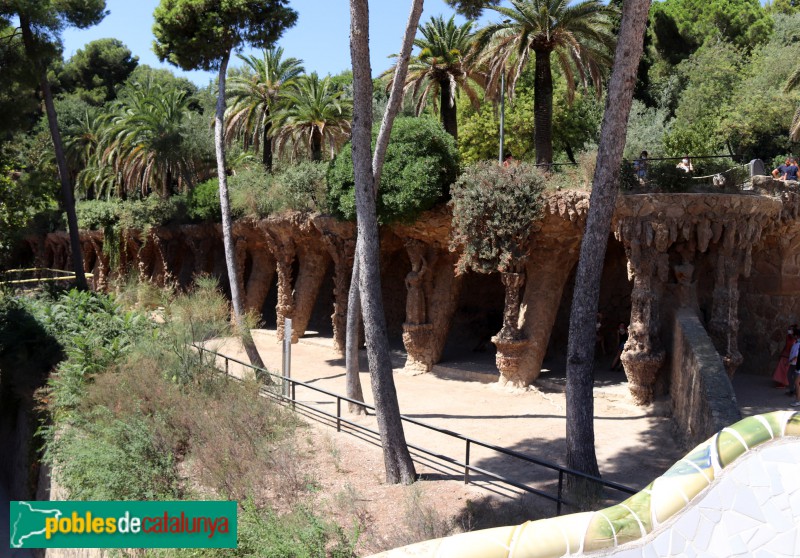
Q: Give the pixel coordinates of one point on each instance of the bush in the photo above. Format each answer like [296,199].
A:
[105,458]
[250,191]
[493,210]
[97,214]
[421,163]
[202,203]
[303,186]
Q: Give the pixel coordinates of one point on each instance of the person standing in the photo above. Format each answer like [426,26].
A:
[640,167]
[794,377]
[622,338]
[781,374]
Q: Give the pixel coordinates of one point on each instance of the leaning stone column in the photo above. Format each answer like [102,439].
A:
[101,265]
[724,323]
[547,270]
[339,240]
[260,279]
[510,341]
[643,355]
[417,330]
[283,250]
[313,266]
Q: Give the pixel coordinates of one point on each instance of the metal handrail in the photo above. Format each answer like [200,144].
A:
[469,441]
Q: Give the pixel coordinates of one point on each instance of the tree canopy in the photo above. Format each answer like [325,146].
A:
[196,34]
[95,71]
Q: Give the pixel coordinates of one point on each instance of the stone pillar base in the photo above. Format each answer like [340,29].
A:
[508,359]
[417,341]
[642,371]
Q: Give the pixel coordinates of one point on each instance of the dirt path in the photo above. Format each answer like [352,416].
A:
[634,445]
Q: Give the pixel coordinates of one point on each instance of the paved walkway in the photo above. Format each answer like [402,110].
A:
[634,444]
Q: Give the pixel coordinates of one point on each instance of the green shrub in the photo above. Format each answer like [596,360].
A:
[202,203]
[421,163]
[152,211]
[105,458]
[251,193]
[98,214]
[303,186]
[493,210]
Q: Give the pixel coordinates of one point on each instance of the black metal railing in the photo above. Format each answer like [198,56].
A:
[289,396]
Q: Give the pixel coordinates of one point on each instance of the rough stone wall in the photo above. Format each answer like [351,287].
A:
[703,401]
[741,251]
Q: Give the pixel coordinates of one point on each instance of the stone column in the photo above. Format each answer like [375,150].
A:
[547,270]
[166,277]
[644,355]
[283,250]
[723,327]
[260,280]
[313,266]
[240,260]
[417,329]
[101,267]
[341,249]
[510,341]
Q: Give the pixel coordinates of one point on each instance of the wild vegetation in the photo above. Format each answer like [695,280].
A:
[716,85]
[135,145]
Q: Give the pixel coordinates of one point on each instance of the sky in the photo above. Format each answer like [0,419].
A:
[320,38]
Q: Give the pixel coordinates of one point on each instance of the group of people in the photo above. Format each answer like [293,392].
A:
[786,374]
[640,166]
[787,171]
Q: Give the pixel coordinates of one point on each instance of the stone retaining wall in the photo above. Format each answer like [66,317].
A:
[703,401]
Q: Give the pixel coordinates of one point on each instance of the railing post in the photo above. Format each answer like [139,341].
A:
[338,414]
[560,488]
[287,355]
[294,394]
[227,362]
[466,465]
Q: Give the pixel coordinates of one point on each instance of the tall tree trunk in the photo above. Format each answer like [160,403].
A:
[543,108]
[447,102]
[61,161]
[227,232]
[316,144]
[397,460]
[352,368]
[580,352]
[267,141]
[381,145]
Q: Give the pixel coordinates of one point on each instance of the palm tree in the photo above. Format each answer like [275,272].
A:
[443,66]
[580,37]
[254,96]
[83,152]
[315,116]
[145,141]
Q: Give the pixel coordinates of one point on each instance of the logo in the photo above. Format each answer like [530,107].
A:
[72,524]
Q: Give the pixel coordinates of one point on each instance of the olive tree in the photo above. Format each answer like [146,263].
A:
[202,34]
[494,208]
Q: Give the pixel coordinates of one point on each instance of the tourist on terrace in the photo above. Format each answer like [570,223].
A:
[781,374]
[685,165]
[787,171]
[640,167]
